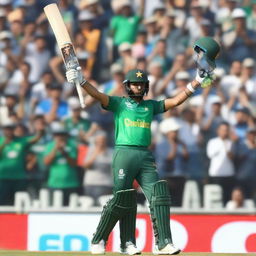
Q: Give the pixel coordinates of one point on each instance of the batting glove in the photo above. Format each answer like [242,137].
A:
[75,74]
[205,78]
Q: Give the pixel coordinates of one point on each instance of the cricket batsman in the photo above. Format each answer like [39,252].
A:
[132,159]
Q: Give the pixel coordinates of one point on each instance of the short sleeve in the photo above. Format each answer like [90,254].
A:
[158,107]
[114,103]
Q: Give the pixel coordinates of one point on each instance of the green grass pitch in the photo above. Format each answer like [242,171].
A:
[25,253]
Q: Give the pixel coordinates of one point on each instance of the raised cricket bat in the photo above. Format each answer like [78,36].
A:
[64,42]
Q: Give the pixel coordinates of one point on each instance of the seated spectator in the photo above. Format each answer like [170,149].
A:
[97,165]
[60,156]
[238,201]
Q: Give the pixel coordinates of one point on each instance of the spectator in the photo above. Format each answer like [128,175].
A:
[139,46]
[156,79]
[176,41]
[91,35]
[192,25]
[115,85]
[153,33]
[223,15]
[38,56]
[60,156]
[39,90]
[191,135]
[246,162]
[251,19]
[53,106]
[231,83]
[160,54]
[126,59]
[219,151]
[238,202]
[97,164]
[211,121]
[240,42]
[77,126]
[248,80]
[124,18]
[171,157]
[36,168]
[13,152]
[242,122]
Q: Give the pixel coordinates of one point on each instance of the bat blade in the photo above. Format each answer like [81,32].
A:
[57,24]
[64,42]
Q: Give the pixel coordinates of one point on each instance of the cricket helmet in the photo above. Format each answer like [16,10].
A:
[136,76]
[210,48]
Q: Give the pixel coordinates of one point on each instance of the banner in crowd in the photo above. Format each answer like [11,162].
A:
[73,232]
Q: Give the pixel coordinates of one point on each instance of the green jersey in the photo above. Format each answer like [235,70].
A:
[133,119]
[75,128]
[13,158]
[61,174]
[125,28]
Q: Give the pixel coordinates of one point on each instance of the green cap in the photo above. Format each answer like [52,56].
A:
[137,76]
[210,47]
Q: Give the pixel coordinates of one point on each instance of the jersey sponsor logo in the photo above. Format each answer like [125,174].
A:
[139,123]
[121,174]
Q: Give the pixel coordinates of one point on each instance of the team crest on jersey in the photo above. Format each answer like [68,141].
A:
[121,174]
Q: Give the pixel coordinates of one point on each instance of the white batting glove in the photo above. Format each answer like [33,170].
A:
[75,74]
[205,78]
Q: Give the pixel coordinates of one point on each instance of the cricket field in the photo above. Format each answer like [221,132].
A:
[25,253]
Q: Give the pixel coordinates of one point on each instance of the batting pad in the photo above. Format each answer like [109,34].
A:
[160,213]
[115,209]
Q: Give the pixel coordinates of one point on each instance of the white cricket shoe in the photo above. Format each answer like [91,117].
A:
[169,249]
[130,249]
[98,248]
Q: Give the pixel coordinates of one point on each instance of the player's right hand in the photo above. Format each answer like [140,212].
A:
[75,74]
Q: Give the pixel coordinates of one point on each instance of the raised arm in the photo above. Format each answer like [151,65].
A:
[74,74]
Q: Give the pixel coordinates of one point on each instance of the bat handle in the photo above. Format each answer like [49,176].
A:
[80,94]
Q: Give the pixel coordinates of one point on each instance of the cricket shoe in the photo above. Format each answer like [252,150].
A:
[169,249]
[98,248]
[130,249]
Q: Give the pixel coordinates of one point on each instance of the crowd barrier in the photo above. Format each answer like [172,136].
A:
[220,233]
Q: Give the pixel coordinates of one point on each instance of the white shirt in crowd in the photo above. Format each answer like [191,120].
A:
[220,163]
[37,60]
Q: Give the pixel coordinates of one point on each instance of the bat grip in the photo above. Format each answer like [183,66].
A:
[80,94]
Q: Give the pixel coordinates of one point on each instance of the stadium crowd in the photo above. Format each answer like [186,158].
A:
[48,141]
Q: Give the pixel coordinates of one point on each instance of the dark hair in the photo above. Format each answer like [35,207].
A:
[224,123]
